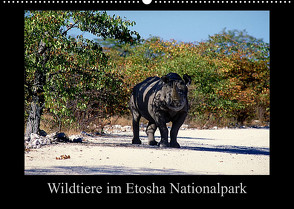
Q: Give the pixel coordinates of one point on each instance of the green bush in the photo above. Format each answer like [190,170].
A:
[230,73]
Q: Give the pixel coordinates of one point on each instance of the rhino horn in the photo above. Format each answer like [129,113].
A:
[175,94]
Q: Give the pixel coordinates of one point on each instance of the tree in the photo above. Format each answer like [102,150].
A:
[244,89]
[230,73]
[60,68]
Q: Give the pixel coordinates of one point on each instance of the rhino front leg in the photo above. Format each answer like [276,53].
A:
[150,130]
[177,123]
[161,124]
[164,136]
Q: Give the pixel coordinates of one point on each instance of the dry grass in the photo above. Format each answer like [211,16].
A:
[49,125]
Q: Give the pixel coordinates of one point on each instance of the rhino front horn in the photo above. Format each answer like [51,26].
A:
[175,94]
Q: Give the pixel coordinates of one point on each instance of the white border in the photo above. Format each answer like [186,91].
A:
[137,2]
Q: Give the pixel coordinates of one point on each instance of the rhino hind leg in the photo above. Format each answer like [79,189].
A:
[150,130]
[136,119]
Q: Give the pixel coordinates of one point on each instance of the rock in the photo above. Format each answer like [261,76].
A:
[34,137]
[42,133]
[97,133]
[61,137]
[36,141]
[52,135]
[126,128]
[27,139]
[76,138]
[86,134]
[184,127]
[117,126]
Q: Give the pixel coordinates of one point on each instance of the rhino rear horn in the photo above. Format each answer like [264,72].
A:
[165,79]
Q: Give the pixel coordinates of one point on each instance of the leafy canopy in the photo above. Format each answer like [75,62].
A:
[230,72]
[63,70]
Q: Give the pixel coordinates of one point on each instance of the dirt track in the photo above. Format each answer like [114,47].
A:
[202,152]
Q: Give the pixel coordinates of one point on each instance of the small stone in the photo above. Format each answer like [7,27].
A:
[42,133]
[76,138]
[61,137]
[36,141]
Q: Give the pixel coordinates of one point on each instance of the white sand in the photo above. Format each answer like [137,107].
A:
[202,152]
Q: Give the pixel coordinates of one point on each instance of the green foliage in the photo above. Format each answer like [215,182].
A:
[230,72]
[75,78]
[66,73]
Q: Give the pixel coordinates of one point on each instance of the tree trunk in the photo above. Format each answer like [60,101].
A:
[37,105]
[33,123]
[37,91]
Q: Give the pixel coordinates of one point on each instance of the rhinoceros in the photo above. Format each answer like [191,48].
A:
[160,100]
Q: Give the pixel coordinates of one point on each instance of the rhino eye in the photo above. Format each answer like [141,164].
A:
[181,85]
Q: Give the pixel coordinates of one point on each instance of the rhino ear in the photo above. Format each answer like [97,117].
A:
[165,79]
[187,79]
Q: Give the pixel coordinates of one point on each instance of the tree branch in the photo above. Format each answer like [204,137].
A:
[68,28]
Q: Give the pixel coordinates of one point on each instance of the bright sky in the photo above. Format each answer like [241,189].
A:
[191,26]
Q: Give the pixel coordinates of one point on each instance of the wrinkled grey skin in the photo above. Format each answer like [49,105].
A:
[160,100]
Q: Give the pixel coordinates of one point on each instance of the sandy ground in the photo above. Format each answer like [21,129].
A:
[202,152]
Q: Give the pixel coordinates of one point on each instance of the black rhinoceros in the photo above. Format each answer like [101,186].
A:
[160,100]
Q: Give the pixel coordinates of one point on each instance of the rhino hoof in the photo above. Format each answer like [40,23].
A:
[175,145]
[136,141]
[163,144]
[153,143]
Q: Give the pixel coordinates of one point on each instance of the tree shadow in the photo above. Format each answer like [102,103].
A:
[103,170]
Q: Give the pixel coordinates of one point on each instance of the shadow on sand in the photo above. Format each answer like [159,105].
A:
[101,170]
[232,149]
[190,143]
